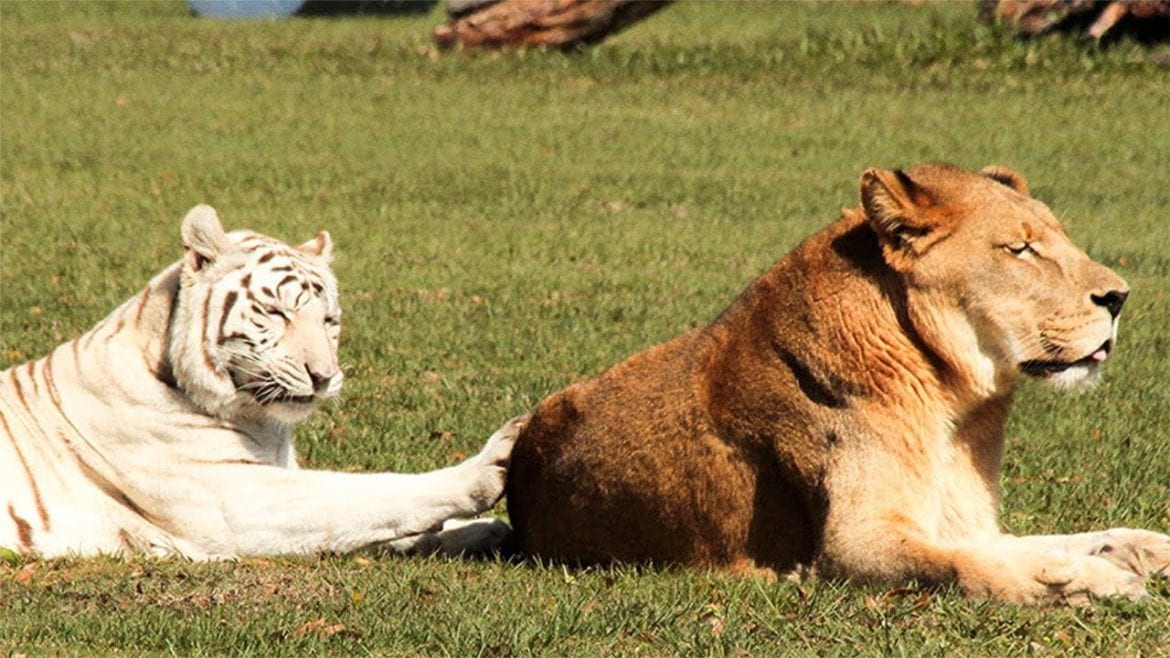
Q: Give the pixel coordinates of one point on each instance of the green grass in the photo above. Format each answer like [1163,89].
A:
[510,223]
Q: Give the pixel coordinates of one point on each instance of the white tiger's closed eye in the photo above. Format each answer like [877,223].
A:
[272,310]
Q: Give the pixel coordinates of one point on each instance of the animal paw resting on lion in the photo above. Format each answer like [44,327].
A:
[846,413]
[167,428]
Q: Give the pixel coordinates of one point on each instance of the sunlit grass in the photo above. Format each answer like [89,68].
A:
[507,224]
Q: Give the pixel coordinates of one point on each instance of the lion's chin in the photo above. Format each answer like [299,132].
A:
[1077,377]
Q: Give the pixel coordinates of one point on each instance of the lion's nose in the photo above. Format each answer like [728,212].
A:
[1112,301]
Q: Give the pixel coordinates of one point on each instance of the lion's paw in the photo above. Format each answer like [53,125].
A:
[1141,552]
[1078,579]
[1047,577]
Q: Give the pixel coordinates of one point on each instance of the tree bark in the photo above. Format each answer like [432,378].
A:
[555,23]
[1096,18]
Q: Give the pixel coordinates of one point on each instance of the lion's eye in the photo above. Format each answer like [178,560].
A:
[1019,248]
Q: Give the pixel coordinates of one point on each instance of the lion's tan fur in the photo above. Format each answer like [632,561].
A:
[846,412]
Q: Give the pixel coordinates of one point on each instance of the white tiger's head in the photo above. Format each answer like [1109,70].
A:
[256,322]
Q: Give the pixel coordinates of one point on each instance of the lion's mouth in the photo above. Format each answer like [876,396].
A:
[1046,368]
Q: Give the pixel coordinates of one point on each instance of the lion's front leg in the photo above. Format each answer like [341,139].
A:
[1005,568]
[1016,570]
[895,538]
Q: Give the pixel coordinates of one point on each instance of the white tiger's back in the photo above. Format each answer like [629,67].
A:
[57,478]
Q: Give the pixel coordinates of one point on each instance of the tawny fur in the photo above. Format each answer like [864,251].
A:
[846,413]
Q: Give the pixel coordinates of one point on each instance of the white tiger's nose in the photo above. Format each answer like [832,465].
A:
[320,377]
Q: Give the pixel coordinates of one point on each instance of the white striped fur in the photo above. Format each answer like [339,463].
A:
[167,428]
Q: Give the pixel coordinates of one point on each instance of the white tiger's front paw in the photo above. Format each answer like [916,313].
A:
[491,464]
[498,449]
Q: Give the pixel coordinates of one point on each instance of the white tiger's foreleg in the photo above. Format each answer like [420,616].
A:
[270,510]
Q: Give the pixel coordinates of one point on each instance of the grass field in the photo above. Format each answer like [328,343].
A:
[508,224]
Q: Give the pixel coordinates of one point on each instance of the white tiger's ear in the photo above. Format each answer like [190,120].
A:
[319,247]
[203,236]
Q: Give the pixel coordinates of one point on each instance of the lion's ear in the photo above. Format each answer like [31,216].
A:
[203,237]
[897,209]
[1007,176]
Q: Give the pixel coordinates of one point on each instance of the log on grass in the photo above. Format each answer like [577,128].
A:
[1145,19]
[555,23]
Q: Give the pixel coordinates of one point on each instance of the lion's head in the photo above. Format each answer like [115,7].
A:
[993,283]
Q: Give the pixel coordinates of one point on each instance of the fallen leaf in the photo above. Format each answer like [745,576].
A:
[898,593]
[716,624]
[25,575]
[319,627]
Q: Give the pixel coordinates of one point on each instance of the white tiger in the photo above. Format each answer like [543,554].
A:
[167,428]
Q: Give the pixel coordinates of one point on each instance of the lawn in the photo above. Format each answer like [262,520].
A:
[509,223]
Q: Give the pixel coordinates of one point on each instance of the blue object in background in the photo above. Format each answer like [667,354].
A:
[245,8]
[285,8]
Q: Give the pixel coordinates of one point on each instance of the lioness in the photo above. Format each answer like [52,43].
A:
[846,413]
